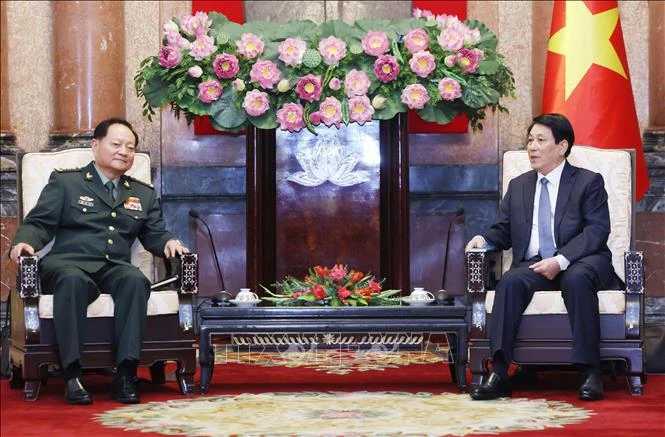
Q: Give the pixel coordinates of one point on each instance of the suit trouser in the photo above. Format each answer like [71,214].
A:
[74,289]
[579,285]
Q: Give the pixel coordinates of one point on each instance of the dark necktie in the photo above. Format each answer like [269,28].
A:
[545,237]
[110,188]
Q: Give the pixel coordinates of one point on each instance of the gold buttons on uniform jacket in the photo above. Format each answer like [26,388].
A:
[113,214]
[111,228]
[85,210]
[109,241]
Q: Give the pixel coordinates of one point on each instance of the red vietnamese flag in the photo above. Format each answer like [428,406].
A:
[587,79]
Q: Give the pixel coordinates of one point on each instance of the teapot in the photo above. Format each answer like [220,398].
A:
[245,294]
[419,293]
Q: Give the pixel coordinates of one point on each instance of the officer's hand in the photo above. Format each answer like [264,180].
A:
[19,249]
[548,267]
[477,242]
[175,247]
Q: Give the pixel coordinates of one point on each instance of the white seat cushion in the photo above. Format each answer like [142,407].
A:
[551,302]
[160,302]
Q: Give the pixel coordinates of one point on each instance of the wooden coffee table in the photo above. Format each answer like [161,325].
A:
[432,319]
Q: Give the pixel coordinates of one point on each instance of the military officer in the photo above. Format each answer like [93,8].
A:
[95,213]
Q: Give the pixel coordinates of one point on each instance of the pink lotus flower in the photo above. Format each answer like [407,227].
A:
[471,37]
[450,39]
[335,84]
[289,118]
[450,60]
[450,89]
[386,68]
[422,13]
[415,96]
[331,112]
[468,60]
[444,21]
[256,103]
[315,118]
[191,23]
[175,40]
[209,91]
[170,27]
[202,47]
[356,83]
[291,51]
[360,109]
[169,57]
[226,66]
[309,87]
[375,43]
[238,85]
[265,73]
[332,49]
[250,45]
[195,71]
[416,40]
[422,63]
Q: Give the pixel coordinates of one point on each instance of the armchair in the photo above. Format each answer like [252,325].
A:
[545,335]
[169,333]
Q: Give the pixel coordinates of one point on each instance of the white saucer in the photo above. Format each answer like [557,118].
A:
[244,303]
[417,302]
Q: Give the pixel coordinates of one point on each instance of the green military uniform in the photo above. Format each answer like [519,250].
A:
[92,250]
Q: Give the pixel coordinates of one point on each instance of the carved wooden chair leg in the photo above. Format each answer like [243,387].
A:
[452,357]
[31,390]
[157,372]
[16,378]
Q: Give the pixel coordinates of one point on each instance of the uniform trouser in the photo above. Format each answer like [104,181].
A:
[74,289]
[579,285]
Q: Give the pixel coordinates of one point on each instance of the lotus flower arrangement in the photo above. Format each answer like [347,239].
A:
[299,74]
[336,286]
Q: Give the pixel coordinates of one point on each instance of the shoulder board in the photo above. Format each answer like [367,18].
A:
[65,170]
[139,181]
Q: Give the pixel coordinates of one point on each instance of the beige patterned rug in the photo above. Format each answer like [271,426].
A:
[342,414]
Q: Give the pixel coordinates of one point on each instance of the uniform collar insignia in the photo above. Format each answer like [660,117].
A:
[88,176]
[126,183]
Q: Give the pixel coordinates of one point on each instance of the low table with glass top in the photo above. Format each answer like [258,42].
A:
[433,319]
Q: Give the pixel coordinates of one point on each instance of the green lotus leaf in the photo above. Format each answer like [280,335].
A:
[437,113]
[225,112]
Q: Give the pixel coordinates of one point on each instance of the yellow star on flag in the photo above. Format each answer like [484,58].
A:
[585,40]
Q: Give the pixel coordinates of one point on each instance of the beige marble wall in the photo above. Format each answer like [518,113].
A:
[30,72]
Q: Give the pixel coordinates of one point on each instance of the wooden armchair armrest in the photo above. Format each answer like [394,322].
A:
[25,301]
[479,276]
[188,286]
[634,268]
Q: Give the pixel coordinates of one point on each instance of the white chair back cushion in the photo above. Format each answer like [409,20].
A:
[36,168]
[616,168]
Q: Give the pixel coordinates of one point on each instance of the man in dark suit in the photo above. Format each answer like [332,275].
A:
[556,220]
[95,213]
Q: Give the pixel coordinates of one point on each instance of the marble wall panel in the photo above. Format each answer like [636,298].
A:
[30,72]
[650,238]
[8,227]
[283,11]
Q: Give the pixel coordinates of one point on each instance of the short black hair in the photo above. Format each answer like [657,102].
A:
[560,126]
[102,129]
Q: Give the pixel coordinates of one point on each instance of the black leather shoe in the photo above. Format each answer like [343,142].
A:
[592,388]
[493,388]
[75,393]
[124,390]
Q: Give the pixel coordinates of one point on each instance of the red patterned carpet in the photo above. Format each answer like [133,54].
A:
[372,394]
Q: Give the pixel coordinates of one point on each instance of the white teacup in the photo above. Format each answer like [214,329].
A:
[419,293]
[246,295]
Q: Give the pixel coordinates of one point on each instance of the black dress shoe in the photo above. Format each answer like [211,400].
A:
[493,388]
[124,390]
[75,393]
[592,388]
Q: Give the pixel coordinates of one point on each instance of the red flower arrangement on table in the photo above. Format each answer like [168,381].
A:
[336,286]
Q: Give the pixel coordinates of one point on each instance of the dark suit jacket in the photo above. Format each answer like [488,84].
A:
[581,218]
[91,229]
